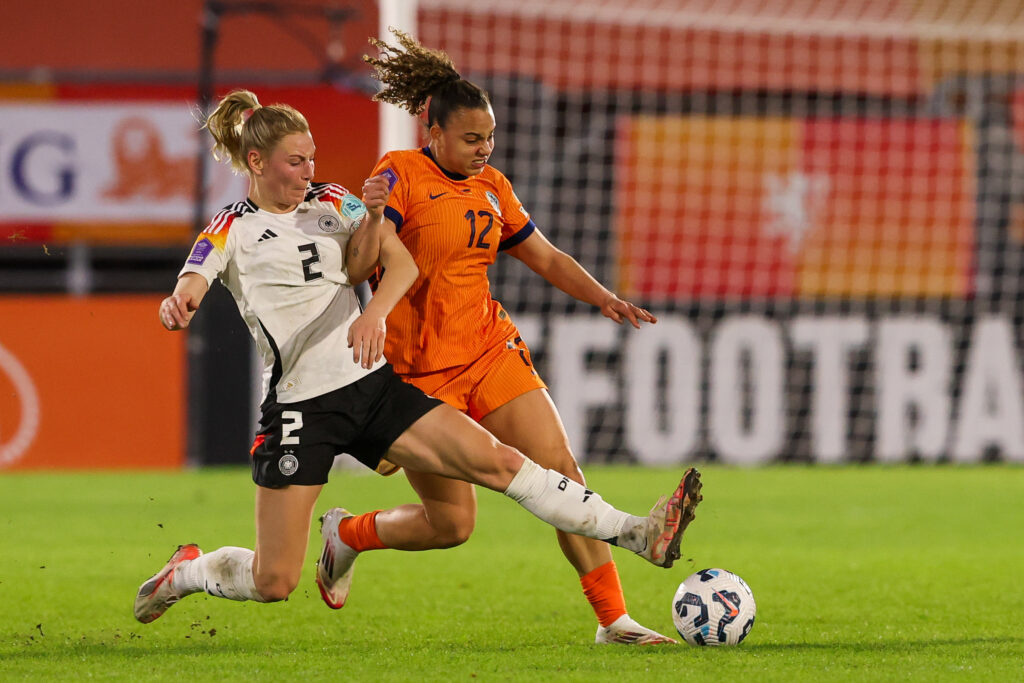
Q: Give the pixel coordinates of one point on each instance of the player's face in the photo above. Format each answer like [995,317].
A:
[466,141]
[282,177]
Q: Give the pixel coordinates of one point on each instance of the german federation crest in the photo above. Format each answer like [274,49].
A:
[328,223]
[288,464]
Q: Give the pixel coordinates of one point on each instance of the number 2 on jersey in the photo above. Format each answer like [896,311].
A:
[291,421]
[308,263]
[471,217]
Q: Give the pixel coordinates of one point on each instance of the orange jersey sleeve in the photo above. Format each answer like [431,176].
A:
[454,226]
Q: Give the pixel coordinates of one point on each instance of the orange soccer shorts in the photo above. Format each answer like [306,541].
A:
[502,373]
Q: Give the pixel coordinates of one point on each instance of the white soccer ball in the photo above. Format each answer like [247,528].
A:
[713,607]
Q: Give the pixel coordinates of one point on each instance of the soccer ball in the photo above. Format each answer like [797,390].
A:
[713,607]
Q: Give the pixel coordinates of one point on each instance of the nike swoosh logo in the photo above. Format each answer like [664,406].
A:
[435,196]
[731,609]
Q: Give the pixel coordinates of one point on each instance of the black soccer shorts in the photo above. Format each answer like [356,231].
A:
[296,442]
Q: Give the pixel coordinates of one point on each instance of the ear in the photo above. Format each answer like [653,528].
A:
[255,162]
[435,132]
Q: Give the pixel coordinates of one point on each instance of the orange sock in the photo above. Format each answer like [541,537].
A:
[603,590]
[360,532]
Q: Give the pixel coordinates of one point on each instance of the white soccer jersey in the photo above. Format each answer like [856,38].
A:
[287,275]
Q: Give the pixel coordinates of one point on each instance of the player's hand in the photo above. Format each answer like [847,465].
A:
[176,311]
[366,339]
[376,191]
[619,310]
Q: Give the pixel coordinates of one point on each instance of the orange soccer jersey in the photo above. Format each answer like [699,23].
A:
[454,226]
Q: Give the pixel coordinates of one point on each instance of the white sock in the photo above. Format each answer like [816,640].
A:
[224,573]
[569,506]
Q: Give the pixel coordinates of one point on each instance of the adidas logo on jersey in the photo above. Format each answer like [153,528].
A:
[267,234]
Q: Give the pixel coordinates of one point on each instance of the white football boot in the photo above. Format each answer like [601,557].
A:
[334,569]
[156,595]
[625,631]
[668,520]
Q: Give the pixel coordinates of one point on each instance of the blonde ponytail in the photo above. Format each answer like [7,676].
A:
[240,124]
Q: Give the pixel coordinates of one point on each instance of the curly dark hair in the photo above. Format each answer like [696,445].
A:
[412,74]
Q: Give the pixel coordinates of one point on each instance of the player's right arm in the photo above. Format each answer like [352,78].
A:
[176,311]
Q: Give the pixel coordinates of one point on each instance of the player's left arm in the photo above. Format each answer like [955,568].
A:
[565,272]
[367,333]
[362,253]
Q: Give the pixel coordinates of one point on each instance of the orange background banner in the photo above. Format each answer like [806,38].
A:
[783,207]
[89,383]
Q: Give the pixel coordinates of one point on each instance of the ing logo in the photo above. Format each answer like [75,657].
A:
[18,399]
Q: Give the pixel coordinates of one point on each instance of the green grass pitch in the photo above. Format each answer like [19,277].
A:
[860,573]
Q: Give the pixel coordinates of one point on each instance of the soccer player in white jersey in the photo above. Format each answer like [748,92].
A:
[290,255]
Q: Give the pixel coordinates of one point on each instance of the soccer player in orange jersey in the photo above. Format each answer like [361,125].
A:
[448,337]
[290,255]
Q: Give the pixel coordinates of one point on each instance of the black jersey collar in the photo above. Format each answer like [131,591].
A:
[453,176]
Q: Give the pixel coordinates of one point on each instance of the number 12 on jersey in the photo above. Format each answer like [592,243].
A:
[471,217]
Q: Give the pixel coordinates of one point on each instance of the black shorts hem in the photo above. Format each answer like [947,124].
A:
[297,442]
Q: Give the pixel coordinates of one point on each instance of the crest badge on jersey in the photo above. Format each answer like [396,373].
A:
[288,464]
[493,199]
[328,223]
[200,251]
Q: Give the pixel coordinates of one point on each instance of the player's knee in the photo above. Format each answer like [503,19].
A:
[274,586]
[455,531]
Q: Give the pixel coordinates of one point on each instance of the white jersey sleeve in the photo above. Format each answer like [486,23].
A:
[210,253]
[287,275]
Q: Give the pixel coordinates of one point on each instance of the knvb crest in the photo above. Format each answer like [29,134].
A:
[495,204]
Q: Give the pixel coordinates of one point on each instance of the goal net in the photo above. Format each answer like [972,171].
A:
[822,202]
